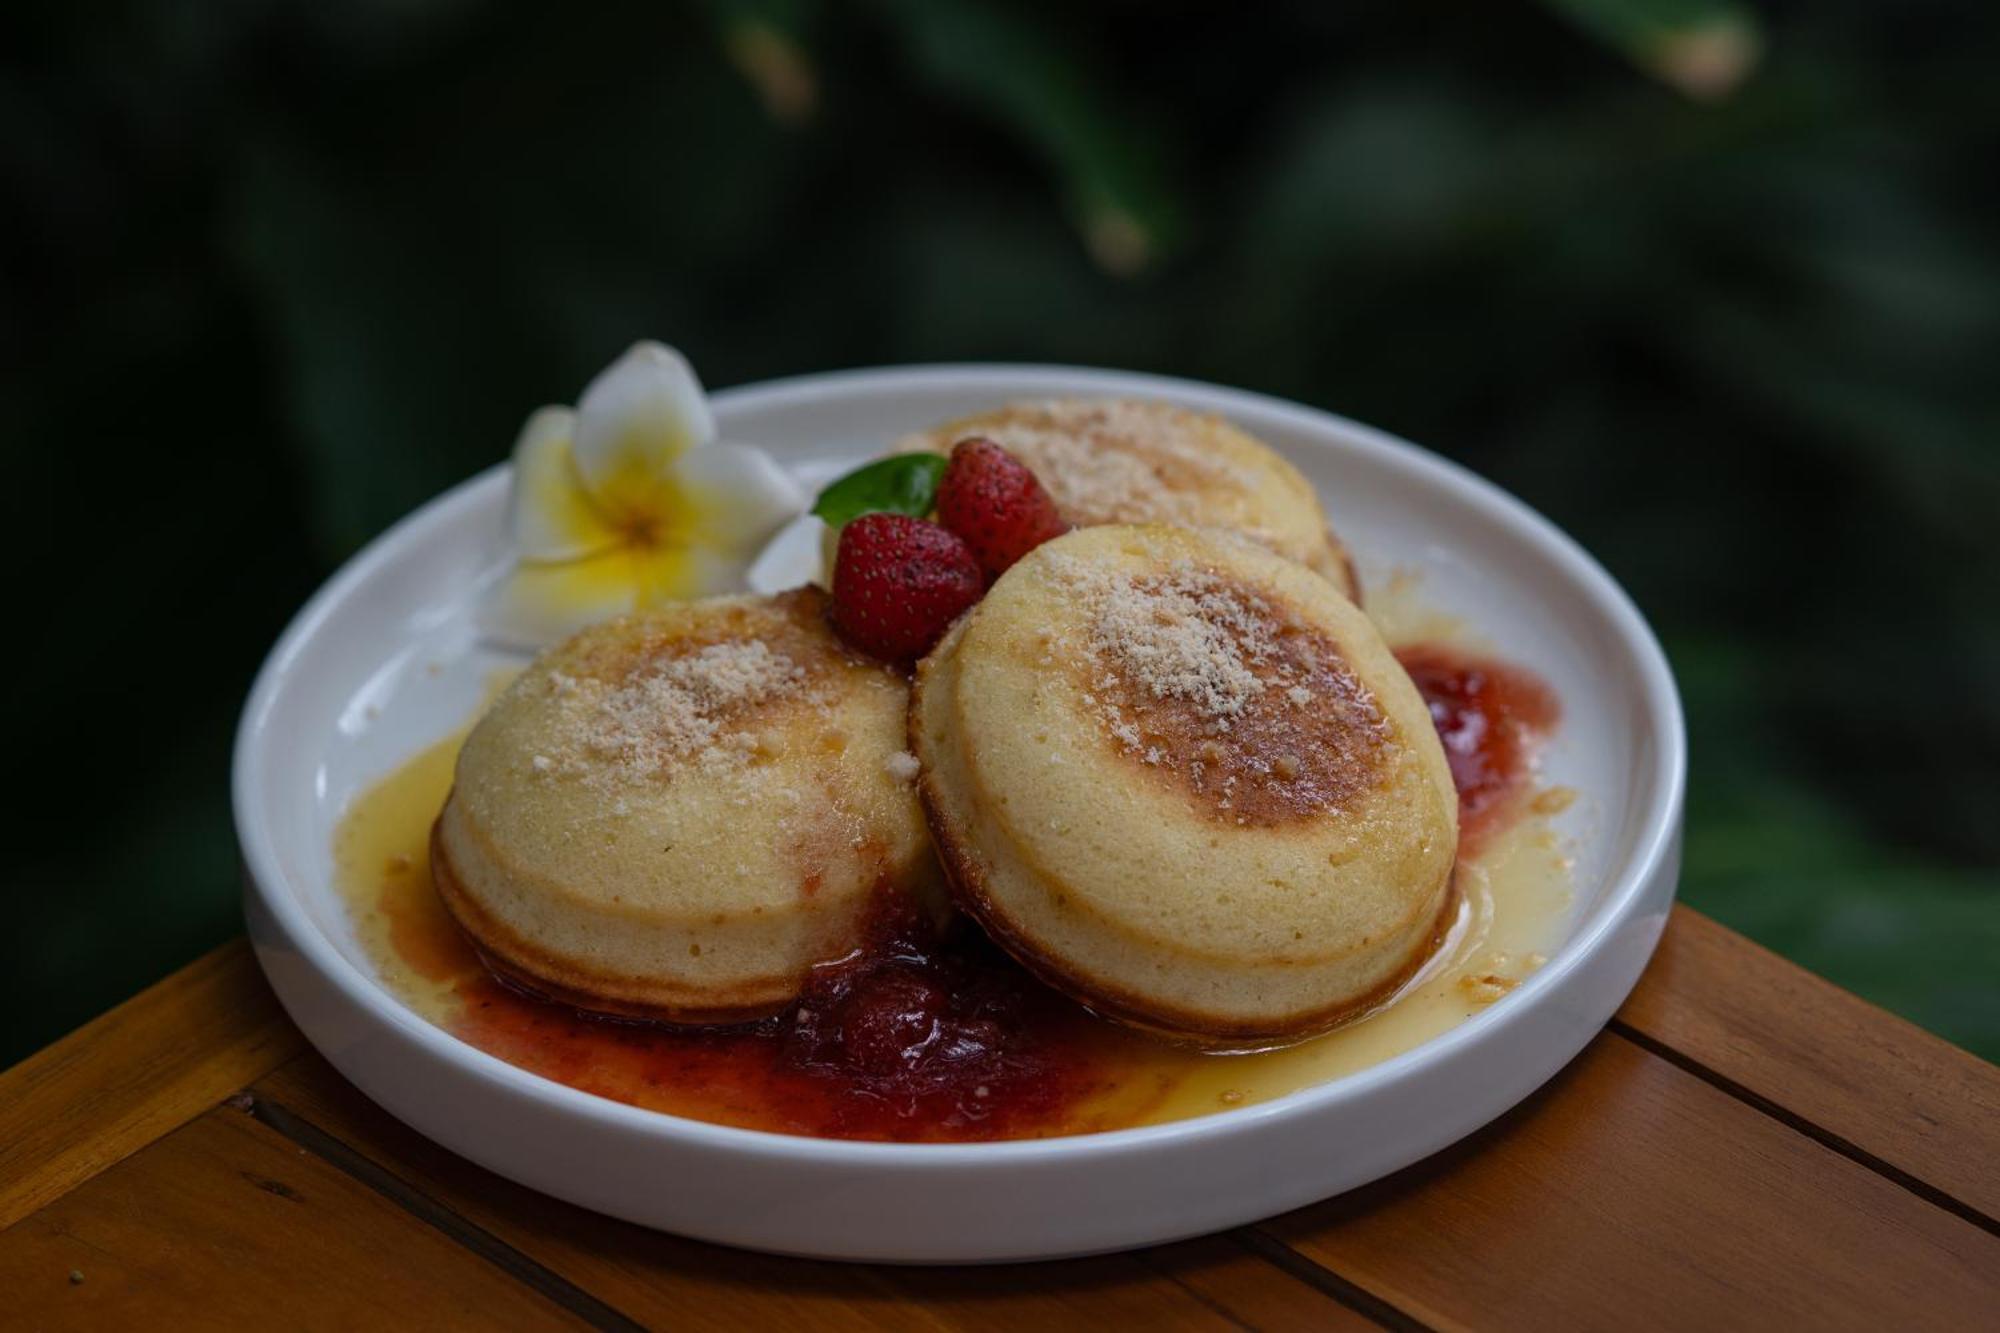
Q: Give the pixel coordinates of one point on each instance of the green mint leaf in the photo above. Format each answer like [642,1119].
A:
[900,484]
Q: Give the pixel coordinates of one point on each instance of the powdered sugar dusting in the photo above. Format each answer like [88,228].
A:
[668,712]
[1113,461]
[1182,636]
[1208,679]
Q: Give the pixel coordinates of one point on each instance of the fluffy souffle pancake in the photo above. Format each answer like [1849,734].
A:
[676,815]
[1123,460]
[1183,780]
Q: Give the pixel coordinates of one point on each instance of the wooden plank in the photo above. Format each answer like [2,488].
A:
[226,1224]
[658,1280]
[1653,1184]
[1861,1076]
[1170,1287]
[1239,1281]
[1631,1194]
[124,1079]
[666,1280]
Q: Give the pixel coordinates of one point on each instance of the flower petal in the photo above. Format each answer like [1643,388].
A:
[550,517]
[739,496]
[667,574]
[641,413]
[535,605]
[793,558]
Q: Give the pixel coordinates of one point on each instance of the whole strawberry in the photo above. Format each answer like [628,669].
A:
[898,583]
[991,499]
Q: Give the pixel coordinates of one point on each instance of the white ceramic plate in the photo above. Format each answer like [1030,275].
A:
[384,660]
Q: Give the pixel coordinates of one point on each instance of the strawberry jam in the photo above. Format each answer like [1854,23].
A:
[948,1035]
[912,1038]
[1491,717]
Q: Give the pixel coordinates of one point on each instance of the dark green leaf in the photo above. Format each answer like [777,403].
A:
[904,484]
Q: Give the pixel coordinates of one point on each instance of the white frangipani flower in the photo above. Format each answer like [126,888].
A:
[802,552]
[630,501]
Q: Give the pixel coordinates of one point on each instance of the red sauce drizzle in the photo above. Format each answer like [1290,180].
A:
[919,1038]
[1492,717]
[911,1038]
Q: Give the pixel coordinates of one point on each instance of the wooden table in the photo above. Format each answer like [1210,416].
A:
[1744,1146]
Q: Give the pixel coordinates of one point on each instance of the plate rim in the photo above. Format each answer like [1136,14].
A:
[1653,847]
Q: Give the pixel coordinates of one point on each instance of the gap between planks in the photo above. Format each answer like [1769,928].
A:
[135,1074]
[462,1231]
[242,1036]
[1284,1265]
[1267,1243]
[1797,1123]
[1867,1084]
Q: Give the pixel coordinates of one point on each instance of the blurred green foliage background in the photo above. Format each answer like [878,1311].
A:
[275,272]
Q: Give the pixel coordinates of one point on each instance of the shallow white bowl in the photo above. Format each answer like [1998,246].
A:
[385,660]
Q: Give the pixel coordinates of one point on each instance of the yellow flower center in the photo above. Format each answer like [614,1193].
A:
[648,530]
[648,513]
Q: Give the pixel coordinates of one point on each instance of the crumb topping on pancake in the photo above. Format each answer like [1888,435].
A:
[1135,461]
[650,705]
[1216,687]
[1115,461]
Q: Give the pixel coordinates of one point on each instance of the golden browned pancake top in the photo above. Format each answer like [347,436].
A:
[1224,691]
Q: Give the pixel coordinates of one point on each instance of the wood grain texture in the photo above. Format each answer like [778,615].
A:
[1631,1194]
[225,1224]
[665,1280]
[655,1279]
[1827,1057]
[130,1076]
[1749,1146]
[1240,1281]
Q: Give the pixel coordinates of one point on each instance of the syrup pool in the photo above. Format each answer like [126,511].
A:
[928,1040]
